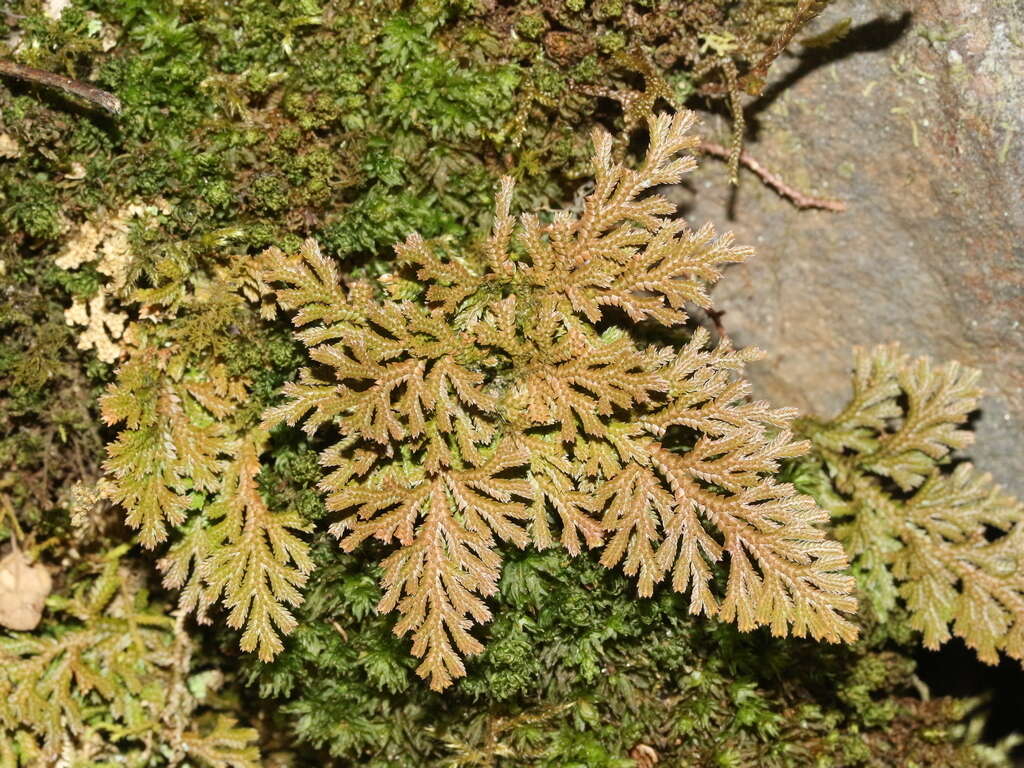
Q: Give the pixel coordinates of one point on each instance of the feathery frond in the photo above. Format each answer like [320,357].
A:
[109,686]
[503,394]
[949,543]
[184,468]
[240,552]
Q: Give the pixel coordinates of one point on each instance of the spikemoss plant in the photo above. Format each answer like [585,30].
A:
[257,124]
[355,124]
[498,399]
[109,681]
[938,537]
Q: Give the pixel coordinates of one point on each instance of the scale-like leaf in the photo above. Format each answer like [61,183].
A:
[512,385]
[950,543]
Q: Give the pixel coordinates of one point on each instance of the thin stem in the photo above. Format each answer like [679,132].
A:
[16,533]
[773,180]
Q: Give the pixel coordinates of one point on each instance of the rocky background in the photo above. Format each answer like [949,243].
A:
[916,121]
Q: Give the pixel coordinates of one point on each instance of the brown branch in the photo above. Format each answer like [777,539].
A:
[805,12]
[91,93]
[799,199]
[739,123]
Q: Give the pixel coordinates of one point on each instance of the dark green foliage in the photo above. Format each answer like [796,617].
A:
[575,673]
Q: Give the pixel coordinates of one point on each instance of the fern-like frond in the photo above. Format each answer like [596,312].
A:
[948,543]
[446,526]
[254,561]
[222,745]
[186,461]
[951,573]
[164,453]
[506,394]
[111,676]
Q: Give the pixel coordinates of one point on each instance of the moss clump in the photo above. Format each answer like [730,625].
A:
[576,672]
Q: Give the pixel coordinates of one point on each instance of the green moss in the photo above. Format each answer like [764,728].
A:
[608,9]
[531,25]
[576,672]
[268,194]
[610,42]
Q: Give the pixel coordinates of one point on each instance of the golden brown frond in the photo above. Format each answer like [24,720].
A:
[508,399]
[184,467]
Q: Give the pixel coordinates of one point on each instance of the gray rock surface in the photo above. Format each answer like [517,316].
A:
[919,127]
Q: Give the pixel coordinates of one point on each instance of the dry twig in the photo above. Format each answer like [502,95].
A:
[773,180]
[91,93]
